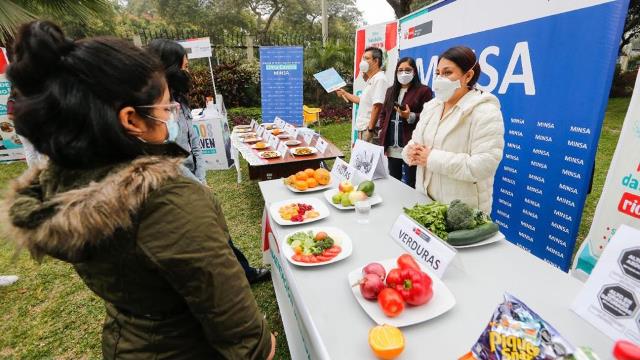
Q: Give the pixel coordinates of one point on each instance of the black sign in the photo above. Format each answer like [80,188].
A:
[617,301]
[630,263]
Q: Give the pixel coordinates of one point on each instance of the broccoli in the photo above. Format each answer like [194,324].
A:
[320,246]
[460,216]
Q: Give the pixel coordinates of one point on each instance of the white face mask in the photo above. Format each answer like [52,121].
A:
[405,77]
[444,88]
[364,66]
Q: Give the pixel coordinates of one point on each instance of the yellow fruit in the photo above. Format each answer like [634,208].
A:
[301,185]
[311,183]
[322,176]
[290,180]
[386,341]
[301,175]
[310,172]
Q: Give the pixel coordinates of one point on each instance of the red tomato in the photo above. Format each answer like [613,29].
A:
[415,287]
[391,302]
[393,278]
[298,258]
[322,258]
[406,261]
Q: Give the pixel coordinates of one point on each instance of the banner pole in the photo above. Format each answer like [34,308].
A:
[215,93]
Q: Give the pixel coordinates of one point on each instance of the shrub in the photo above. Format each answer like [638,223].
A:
[242,116]
[623,83]
[238,82]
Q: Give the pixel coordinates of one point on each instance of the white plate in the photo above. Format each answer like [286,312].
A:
[241,130]
[340,237]
[292,143]
[375,199]
[261,154]
[317,204]
[313,150]
[317,188]
[441,302]
[257,148]
[252,140]
[284,136]
[247,135]
[242,127]
[495,238]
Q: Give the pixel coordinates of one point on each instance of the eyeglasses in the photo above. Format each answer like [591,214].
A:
[171,108]
[402,71]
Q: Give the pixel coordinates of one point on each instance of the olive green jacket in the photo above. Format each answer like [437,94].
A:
[153,245]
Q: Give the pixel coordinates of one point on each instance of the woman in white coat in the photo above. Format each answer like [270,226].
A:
[458,142]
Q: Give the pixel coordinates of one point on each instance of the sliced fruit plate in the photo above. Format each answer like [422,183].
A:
[308,180]
[260,145]
[292,142]
[252,140]
[441,301]
[247,135]
[303,151]
[346,201]
[298,211]
[317,246]
[269,154]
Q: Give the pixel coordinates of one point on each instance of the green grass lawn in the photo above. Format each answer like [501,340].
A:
[49,313]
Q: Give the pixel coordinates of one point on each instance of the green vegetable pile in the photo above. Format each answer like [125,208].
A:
[441,219]
[306,241]
[432,216]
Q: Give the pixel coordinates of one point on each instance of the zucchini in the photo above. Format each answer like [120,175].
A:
[472,236]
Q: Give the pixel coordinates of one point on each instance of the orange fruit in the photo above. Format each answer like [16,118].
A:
[310,172]
[386,341]
[322,176]
[291,180]
[311,182]
[301,175]
[301,185]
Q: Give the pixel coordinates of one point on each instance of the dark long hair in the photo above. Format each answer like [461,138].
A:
[465,59]
[395,88]
[171,55]
[71,94]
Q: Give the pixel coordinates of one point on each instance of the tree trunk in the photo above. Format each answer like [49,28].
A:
[400,7]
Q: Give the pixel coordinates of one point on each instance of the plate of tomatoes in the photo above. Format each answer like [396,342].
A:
[317,246]
[298,211]
[400,292]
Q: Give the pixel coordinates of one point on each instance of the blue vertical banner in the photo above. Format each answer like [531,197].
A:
[281,83]
[550,63]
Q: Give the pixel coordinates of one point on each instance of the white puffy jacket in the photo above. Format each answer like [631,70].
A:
[466,148]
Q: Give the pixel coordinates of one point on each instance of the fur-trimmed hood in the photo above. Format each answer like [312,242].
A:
[58,212]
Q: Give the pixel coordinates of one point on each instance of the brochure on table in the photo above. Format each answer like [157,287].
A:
[424,246]
[610,298]
[321,144]
[369,159]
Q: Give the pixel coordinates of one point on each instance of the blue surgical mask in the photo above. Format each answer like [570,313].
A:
[173,129]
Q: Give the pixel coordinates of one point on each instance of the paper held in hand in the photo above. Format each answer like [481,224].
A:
[330,80]
[369,159]
[423,245]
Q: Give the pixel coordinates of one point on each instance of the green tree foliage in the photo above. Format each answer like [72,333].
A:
[15,12]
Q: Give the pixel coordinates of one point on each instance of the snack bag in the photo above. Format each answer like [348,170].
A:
[515,332]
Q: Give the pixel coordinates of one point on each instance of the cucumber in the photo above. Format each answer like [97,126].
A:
[472,236]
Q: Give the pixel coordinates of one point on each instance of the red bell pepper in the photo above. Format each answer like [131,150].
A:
[415,287]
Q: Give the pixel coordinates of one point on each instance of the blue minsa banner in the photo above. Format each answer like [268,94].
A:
[281,83]
[551,65]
